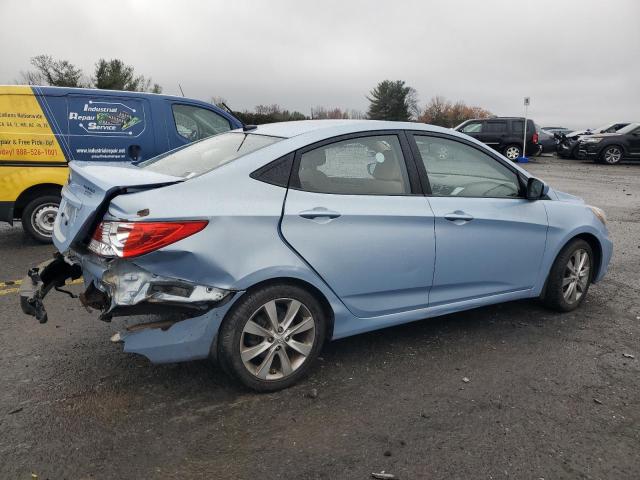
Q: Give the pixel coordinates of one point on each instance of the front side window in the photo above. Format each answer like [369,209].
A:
[208,154]
[360,166]
[473,127]
[195,123]
[459,170]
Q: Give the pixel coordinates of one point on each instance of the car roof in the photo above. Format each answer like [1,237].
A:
[329,128]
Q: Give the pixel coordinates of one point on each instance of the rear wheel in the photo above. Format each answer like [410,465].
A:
[271,337]
[611,155]
[512,152]
[38,217]
[570,277]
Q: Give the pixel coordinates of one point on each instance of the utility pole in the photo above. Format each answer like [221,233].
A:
[527,100]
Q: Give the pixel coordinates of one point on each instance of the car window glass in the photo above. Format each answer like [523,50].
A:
[517,126]
[360,166]
[195,123]
[475,127]
[495,127]
[200,157]
[457,169]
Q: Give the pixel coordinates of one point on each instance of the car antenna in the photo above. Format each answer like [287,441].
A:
[180,87]
[245,127]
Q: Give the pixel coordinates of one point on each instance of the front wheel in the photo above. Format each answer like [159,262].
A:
[570,277]
[512,152]
[611,155]
[269,340]
[38,217]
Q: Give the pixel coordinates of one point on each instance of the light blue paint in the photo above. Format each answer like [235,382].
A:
[386,260]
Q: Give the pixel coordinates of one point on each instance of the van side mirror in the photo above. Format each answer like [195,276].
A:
[536,189]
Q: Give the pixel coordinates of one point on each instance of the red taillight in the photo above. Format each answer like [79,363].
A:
[131,239]
[535,137]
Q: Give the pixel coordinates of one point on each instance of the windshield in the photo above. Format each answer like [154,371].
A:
[207,154]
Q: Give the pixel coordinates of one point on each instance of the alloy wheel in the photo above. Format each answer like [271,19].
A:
[576,276]
[512,153]
[43,218]
[277,339]
[612,155]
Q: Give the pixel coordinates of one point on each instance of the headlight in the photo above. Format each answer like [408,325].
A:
[598,212]
[591,140]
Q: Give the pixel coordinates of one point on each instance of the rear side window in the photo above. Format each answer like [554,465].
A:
[195,123]
[495,127]
[473,127]
[359,166]
[208,154]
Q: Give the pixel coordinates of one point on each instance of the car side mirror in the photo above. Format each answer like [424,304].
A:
[536,189]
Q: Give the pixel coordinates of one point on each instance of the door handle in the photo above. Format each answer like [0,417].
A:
[458,217]
[319,212]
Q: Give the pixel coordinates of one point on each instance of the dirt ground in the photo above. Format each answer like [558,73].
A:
[549,395]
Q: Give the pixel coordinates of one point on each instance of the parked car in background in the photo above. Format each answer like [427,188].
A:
[546,140]
[611,148]
[262,243]
[504,134]
[43,128]
[557,130]
[568,143]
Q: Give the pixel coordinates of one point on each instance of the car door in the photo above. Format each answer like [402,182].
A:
[494,133]
[355,213]
[489,239]
[633,142]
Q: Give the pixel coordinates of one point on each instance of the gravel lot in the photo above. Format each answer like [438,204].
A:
[549,396]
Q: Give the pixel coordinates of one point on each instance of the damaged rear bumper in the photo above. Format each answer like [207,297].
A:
[191,313]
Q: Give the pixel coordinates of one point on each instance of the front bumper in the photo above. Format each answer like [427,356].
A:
[180,318]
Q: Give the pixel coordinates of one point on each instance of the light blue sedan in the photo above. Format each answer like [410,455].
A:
[258,245]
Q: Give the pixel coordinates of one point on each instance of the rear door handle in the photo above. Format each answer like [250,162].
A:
[319,212]
[458,217]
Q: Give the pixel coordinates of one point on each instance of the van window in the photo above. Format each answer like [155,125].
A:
[200,157]
[195,123]
[495,127]
[473,127]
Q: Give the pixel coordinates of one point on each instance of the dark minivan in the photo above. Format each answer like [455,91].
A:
[504,134]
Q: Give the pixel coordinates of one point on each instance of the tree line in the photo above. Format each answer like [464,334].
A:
[388,100]
[111,74]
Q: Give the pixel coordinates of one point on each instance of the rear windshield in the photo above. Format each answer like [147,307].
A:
[207,154]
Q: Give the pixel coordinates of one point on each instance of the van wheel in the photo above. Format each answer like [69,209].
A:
[512,152]
[270,338]
[570,277]
[38,217]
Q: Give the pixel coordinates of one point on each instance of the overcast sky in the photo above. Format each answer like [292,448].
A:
[579,61]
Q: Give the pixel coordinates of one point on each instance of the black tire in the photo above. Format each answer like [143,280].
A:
[247,307]
[32,217]
[611,155]
[553,294]
[509,152]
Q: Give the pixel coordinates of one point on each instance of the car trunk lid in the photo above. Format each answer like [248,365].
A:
[87,194]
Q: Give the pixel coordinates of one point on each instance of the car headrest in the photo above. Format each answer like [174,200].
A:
[315,158]
[387,169]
